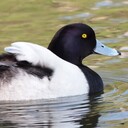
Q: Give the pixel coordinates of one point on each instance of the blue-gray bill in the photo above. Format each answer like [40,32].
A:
[104,50]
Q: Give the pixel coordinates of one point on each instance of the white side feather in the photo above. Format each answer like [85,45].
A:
[33,53]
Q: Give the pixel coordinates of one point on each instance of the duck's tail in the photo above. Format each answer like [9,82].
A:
[6,63]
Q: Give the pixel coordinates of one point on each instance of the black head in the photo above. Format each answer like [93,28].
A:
[73,42]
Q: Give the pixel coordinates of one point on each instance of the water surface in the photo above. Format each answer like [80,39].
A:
[37,22]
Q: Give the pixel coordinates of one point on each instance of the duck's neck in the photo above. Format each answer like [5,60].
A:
[94,80]
[67,57]
[75,61]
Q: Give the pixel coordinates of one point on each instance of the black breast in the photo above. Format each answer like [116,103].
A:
[94,80]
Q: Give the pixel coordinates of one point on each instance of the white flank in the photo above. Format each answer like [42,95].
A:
[67,80]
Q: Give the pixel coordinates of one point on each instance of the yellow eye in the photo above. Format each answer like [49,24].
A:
[84,35]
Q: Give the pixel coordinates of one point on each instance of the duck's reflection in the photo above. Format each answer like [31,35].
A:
[71,112]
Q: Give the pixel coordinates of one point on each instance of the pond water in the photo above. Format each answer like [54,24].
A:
[101,111]
[108,110]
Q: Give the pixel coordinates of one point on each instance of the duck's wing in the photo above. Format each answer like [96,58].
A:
[34,54]
[23,52]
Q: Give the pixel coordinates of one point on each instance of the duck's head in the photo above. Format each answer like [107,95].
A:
[74,42]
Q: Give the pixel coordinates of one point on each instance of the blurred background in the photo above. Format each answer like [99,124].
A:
[37,20]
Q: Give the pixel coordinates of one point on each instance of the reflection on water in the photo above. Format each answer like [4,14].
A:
[71,112]
[99,111]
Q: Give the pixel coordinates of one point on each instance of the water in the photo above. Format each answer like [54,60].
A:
[71,112]
[108,110]
[99,111]
[110,3]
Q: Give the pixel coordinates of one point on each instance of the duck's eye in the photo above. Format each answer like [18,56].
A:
[84,35]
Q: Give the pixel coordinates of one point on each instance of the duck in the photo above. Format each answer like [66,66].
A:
[30,71]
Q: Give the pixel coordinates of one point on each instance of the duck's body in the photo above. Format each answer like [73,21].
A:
[21,80]
[29,71]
